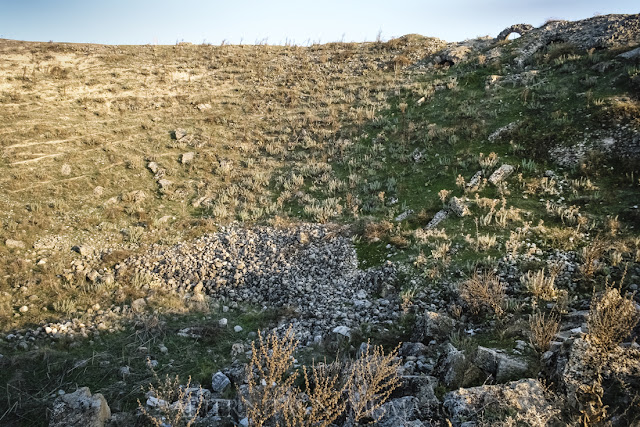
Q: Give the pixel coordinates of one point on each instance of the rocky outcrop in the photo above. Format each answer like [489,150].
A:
[520,29]
[80,409]
[600,32]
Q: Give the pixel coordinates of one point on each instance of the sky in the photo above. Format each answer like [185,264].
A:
[278,22]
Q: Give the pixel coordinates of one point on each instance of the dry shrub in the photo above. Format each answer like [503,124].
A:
[269,377]
[184,412]
[373,377]
[483,291]
[540,285]
[591,255]
[542,329]
[364,385]
[611,318]
[375,231]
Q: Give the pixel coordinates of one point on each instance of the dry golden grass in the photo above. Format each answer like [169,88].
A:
[483,291]
[360,387]
[611,318]
[542,329]
[81,122]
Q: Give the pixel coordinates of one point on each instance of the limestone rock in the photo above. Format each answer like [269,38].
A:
[412,349]
[401,412]
[187,158]
[83,250]
[65,169]
[503,131]
[219,382]
[179,133]
[501,174]
[153,167]
[521,397]
[164,184]
[80,409]
[404,215]
[342,330]
[502,366]
[455,366]
[458,207]
[632,54]
[437,219]
[433,325]
[14,244]
[520,29]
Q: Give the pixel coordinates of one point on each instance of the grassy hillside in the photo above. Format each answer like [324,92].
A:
[112,149]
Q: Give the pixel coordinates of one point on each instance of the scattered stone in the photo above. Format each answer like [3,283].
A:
[272,267]
[237,328]
[14,244]
[153,167]
[437,219]
[458,207]
[163,348]
[501,174]
[187,158]
[23,309]
[342,330]
[223,322]
[432,325]
[179,133]
[83,250]
[80,408]
[219,382]
[65,169]
[474,182]
[503,131]
[97,191]
[203,107]
[502,366]
[404,215]
[164,184]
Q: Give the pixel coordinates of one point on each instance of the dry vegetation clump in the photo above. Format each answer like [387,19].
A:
[483,291]
[355,389]
[591,255]
[611,318]
[176,405]
[540,285]
[542,329]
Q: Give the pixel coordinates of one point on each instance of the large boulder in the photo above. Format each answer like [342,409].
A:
[80,409]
